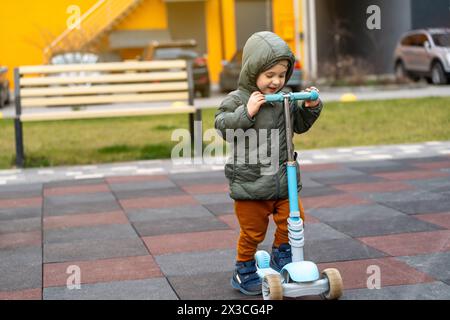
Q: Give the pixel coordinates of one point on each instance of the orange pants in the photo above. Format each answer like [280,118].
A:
[253,217]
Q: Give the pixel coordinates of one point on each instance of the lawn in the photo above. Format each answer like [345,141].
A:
[126,139]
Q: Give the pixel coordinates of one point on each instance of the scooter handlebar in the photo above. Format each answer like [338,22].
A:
[293,96]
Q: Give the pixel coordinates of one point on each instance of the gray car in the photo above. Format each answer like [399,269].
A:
[424,53]
[4,87]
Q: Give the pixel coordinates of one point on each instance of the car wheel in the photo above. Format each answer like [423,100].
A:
[205,92]
[437,74]
[400,72]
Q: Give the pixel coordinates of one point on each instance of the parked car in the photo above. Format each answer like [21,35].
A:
[4,87]
[229,77]
[183,49]
[424,53]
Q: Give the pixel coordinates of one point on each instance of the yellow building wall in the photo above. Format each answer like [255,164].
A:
[284,21]
[27,27]
[151,14]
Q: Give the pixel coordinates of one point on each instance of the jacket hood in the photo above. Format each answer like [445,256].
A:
[262,51]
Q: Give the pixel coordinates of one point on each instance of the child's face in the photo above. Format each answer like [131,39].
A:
[272,80]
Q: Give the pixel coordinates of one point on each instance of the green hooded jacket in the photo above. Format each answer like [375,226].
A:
[260,180]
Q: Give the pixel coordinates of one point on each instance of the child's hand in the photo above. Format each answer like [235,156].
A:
[312,103]
[255,102]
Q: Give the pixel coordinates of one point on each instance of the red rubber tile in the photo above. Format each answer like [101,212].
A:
[29,294]
[108,270]
[357,274]
[76,189]
[231,220]
[374,187]
[206,188]
[433,165]
[409,244]
[411,175]
[20,239]
[20,203]
[87,219]
[157,202]
[319,167]
[440,219]
[339,200]
[194,241]
[127,179]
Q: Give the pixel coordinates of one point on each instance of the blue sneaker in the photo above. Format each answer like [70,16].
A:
[280,256]
[245,279]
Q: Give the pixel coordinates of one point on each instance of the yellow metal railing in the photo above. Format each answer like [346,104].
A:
[99,19]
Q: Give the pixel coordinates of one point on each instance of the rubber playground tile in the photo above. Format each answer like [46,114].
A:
[218,209]
[333,201]
[195,179]
[319,167]
[74,199]
[20,225]
[341,172]
[156,214]
[19,194]
[68,183]
[406,195]
[146,289]
[212,286]
[424,291]
[21,268]
[434,264]
[157,202]
[108,270]
[80,220]
[80,189]
[179,225]
[385,186]
[319,191]
[20,239]
[213,198]
[418,207]
[307,182]
[153,193]
[408,244]
[393,225]
[206,188]
[338,250]
[103,232]
[412,175]
[371,212]
[93,249]
[231,220]
[431,184]
[197,263]
[433,165]
[135,179]
[321,231]
[20,202]
[81,208]
[142,185]
[357,273]
[28,294]
[194,241]
[348,179]
[20,213]
[439,219]
[380,167]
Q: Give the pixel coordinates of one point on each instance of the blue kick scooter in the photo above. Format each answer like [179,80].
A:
[298,278]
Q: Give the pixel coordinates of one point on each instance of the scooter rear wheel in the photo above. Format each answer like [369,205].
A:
[272,288]
[335,283]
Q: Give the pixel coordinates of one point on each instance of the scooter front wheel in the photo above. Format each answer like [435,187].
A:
[272,288]
[336,285]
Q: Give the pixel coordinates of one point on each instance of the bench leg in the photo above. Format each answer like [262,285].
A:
[195,128]
[20,155]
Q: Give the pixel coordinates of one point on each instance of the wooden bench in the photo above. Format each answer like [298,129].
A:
[129,88]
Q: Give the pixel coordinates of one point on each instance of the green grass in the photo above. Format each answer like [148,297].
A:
[126,139]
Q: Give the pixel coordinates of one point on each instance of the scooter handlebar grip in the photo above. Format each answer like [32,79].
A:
[312,95]
[274,97]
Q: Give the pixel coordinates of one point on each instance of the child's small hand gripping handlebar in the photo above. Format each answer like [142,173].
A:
[293,96]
